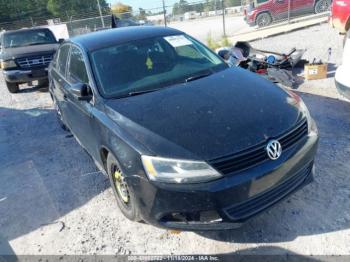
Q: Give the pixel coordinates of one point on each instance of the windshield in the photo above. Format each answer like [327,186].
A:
[152,63]
[27,38]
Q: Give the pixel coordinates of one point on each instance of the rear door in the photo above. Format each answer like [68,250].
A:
[300,7]
[279,8]
[58,76]
[78,112]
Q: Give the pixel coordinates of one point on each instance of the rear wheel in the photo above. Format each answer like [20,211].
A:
[322,6]
[125,198]
[263,19]
[12,87]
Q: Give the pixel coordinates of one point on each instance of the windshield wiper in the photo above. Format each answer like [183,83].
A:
[195,77]
[135,93]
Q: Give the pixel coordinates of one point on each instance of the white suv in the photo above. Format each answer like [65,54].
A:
[342,76]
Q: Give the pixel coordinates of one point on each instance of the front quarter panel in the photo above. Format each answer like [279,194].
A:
[115,140]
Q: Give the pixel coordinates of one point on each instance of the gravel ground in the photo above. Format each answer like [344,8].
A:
[54,201]
[201,28]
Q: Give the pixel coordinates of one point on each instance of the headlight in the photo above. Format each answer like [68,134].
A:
[8,64]
[296,100]
[178,171]
[252,12]
[311,124]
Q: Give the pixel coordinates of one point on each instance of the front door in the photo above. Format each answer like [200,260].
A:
[279,9]
[78,112]
[301,7]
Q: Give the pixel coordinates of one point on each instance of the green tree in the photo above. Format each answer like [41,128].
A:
[121,10]
[233,3]
[75,8]
[142,14]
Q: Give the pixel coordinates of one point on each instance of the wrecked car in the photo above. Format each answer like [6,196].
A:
[187,142]
[274,66]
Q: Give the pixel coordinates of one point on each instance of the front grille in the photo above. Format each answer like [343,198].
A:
[34,61]
[257,154]
[257,204]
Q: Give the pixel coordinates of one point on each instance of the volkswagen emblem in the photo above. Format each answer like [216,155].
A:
[274,149]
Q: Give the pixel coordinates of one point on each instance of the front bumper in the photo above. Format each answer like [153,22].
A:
[343,89]
[342,81]
[338,25]
[24,76]
[250,21]
[227,202]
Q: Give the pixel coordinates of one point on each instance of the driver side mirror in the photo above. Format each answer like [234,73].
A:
[60,41]
[81,91]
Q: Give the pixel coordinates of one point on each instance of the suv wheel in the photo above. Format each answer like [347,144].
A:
[321,6]
[125,198]
[12,87]
[263,19]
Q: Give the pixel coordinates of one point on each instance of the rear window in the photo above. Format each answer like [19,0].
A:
[28,38]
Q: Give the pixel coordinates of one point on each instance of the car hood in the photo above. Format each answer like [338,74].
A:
[215,116]
[25,51]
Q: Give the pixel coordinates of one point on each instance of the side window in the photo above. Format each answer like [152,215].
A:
[55,59]
[188,51]
[62,59]
[77,70]
[261,1]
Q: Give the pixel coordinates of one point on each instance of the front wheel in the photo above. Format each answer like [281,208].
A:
[263,20]
[12,87]
[125,198]
[322,6]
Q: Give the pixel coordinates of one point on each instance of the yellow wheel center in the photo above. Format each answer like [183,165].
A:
[121,186]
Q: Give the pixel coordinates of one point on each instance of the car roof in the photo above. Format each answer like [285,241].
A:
[109,37]
[26,30]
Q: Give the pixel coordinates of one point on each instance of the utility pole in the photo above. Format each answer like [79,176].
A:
[223,17]
[288,11]
[100,11]
[164,13]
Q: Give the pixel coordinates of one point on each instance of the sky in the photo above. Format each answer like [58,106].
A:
[146,4]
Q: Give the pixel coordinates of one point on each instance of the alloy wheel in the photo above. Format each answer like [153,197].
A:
[263,20]
[121,186]
[321,6]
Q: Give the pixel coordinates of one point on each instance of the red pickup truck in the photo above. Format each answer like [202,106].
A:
[264,12]
[340,17]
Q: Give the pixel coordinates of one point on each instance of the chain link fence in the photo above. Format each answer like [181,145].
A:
[201,19]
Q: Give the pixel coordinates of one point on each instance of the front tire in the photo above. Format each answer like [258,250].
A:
[263,19]
[12,87]
[125,198]
[322,6]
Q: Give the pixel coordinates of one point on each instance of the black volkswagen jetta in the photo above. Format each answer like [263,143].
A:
[187,142]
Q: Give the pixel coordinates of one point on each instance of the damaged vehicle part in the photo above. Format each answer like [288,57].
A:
[276,67]
[187,142]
